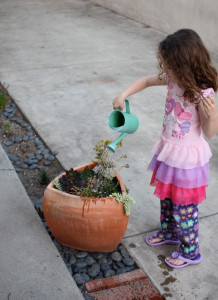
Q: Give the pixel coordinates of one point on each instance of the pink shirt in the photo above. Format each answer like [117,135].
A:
[182,144]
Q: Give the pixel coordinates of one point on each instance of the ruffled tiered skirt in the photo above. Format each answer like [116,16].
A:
[180,172]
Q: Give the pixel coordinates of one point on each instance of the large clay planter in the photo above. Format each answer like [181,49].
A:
[88,224]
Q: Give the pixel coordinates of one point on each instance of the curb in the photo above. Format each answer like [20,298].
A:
[132,285]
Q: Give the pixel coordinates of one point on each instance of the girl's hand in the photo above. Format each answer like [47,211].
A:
[210,107]
[118,102]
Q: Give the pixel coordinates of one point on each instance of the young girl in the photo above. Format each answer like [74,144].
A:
[181,154]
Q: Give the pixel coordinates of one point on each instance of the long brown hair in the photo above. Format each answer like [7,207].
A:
[185,54]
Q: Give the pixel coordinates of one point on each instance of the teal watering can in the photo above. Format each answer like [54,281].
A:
[124,122]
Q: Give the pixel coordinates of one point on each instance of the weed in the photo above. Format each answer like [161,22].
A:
[7,128]
[3,97]
[44,177]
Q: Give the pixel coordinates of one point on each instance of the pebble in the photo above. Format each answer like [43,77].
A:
[23,124]
[38,203]
[13,157]
[120,264]
[30,133]
[115,267]
[94,270]
[31,155]
[72,260]
[109,273]
[100,275]
[45,151]
[90,260]
[128,261]
[49,157]
[121,271]
[81,254]
[97,255]
[85,277]
[81,264]
[38,142]
[47,163]
[8,144]
[18,121]
[105,267]
[87,296]
[102,260]
[25,138]
[31,161]
[116,256]
[34,166]
[79,279]
[18,140]
[24,166]
[75,269]
[38,157]
[8,109]
[124,253]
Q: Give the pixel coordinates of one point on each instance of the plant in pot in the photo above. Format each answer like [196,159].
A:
[88,207]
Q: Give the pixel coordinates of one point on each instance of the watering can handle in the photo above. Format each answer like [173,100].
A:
[127,106]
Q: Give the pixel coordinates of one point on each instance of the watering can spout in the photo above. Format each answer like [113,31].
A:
[112,147]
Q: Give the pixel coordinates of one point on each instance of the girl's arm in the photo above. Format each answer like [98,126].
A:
[209,116]
[138,86]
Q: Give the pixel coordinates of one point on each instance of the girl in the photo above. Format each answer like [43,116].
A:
[181,154]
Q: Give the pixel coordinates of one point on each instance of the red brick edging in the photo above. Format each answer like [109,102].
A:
[131,285]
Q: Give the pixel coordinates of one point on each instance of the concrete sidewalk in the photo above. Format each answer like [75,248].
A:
[64,62]
[30,265]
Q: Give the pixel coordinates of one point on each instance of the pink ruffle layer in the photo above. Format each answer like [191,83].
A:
[179,195]
[180,155]
[184,178]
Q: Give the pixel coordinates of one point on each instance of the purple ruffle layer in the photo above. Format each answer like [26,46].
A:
[185,178]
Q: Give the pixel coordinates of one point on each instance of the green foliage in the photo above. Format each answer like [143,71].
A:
[44,177]
[3,97]
[102,146]
[57,184]
[87,192]
[99,182]
[86,174]
[125,199]
[7,128]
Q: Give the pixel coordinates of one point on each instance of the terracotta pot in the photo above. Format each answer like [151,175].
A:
[85,223]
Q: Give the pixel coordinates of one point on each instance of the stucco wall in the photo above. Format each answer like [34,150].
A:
[171,15]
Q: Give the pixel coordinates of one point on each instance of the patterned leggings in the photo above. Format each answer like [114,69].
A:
[180,221]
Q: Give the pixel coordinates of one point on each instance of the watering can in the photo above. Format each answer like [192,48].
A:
[124,122]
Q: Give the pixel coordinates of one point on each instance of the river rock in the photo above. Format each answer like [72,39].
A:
[79,279]
[81,254]
[94,270]
[109,273]
[116,256]
[90,260]
[128,261]
[13,157]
